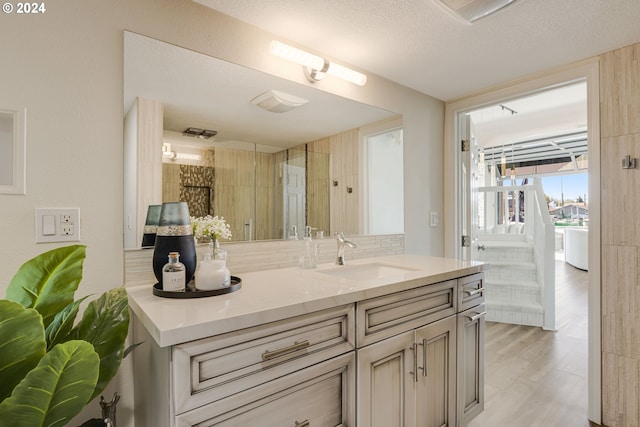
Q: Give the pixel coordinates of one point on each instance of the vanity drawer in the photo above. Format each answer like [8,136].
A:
[214,368]
[383,317]
[470,291]
[322,395]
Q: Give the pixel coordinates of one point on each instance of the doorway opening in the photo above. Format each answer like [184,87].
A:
[529,159]
[507,215]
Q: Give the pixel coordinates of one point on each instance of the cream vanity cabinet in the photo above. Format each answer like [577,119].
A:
[407,375]
[470,349]
[421,355]
[295,372]
[398,353]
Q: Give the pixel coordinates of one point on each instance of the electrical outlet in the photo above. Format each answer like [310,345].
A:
[57,225]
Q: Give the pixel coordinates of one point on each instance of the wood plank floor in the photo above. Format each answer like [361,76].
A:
[537,378]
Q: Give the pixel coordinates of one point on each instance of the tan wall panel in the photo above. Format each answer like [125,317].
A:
[345,170]
[170,182]
[619,89]
[620,193]
[234,188]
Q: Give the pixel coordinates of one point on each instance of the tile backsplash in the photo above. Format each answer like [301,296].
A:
[255,256]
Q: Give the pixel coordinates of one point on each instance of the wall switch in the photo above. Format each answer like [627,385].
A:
[48,225]
[433,219]
[57,225]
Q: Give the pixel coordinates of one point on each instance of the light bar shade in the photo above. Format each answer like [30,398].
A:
[348,74]
[296,55]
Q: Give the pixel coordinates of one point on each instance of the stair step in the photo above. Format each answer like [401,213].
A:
[505,251]
[511,271]
[530,314]
[505,244]
[510,291]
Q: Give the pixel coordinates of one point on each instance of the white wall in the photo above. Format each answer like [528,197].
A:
[65,66]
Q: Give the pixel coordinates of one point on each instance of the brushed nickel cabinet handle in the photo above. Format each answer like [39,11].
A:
[477,316]
[414,348]
[295,347]
[474,292]
[424,357]
[304,423]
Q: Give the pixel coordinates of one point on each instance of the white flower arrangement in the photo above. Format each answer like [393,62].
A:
[210,227]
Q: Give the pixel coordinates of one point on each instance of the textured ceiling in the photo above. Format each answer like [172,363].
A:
[415,43]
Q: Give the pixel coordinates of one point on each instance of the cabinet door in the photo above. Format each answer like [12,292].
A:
[386,383]
[436,386]
[470,364]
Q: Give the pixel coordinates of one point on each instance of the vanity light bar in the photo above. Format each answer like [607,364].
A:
[347,74]
[317,65]
[296,55]
[188,156]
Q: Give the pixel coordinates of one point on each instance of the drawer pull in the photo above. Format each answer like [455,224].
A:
[304,423]
[474,292]
[295,347]
[477,316]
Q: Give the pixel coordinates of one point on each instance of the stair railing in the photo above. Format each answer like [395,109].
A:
[544,253]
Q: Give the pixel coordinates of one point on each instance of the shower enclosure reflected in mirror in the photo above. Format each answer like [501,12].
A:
[264,172]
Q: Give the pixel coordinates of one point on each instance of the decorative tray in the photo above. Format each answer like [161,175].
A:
[191,292]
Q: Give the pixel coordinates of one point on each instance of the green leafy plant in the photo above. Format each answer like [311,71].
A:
[51,366]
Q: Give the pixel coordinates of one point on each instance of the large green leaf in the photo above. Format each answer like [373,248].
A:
[56,390]
[59,329]
[48,281]
[105,324]
[22,344]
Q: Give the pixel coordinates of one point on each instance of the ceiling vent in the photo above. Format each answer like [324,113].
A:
[278,102]
[472,10]
[200,133]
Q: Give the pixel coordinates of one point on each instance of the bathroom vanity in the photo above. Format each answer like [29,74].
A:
[387,341]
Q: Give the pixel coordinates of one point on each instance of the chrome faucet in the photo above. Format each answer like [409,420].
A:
[342,243]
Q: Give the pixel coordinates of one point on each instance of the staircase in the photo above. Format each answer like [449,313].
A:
[513,294]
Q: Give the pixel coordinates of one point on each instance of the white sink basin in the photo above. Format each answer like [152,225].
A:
[369,271]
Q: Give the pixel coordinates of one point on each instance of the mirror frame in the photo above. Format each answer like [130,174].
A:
[18,158]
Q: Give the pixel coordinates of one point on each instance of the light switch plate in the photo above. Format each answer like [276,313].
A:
[433,219]
[57,225]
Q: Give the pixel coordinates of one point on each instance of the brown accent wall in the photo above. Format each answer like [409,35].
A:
[620,198]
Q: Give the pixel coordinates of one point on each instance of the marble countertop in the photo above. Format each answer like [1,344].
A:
[271,295]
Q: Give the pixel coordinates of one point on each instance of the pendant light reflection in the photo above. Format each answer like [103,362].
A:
[315,66]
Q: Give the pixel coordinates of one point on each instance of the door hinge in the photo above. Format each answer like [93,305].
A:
[466,241]
[464,145]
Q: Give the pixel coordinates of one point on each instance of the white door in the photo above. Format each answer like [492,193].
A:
[469,182]
[294,199]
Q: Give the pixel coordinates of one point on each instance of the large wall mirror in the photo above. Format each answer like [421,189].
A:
[268,173]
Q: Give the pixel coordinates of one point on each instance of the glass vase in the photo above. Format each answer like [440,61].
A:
[215,251]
